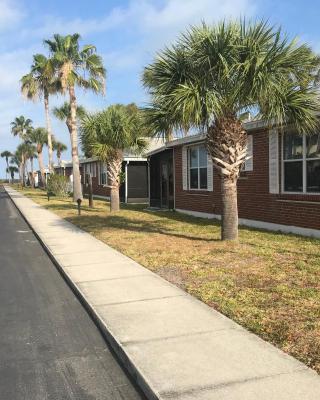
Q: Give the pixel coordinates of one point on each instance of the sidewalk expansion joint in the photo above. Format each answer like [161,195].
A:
[138,301]
[196,389]
[184,335]
[112,279]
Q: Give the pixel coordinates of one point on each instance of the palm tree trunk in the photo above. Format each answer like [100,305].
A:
[77,191]
[49,130]
[32,173]
[40,161]
[7,170]
[26,172]
[23,171]
[114,199]
[226,143]
[229,225]
[114,170]
[21,174]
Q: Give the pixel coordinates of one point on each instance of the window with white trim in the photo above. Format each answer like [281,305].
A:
[103,174]
[198,167]
[301,163]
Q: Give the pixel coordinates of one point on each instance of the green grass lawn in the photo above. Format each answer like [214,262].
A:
[268,282]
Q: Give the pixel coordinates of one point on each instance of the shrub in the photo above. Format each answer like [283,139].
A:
[58,185]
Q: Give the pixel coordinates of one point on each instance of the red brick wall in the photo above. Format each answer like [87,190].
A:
[97,189]
[254,200]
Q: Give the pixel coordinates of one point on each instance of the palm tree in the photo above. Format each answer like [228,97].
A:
[21,127]
[63,113]
[59,147]
[76,67]
[106,135]
[20,160]
[159,122]
[215,73]
[15,161]
[30,154]
[39,137]
[41,81]
[11,169]
[6,154]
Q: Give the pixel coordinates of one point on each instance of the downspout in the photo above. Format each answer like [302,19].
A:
[174,179]
[148,163]
[126,182]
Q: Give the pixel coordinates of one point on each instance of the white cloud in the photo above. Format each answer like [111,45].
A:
[10,14]
[144,25]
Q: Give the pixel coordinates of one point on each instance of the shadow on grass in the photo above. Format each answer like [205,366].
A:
[99,223]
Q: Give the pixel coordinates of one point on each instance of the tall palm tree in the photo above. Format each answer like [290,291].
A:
[40,82]
[30,154]
[59,147]
[15,161]
[106,135]
[39,137]
[11,169]
[76,67]
[215,73]
[21,127]
[20,160]
[6,154]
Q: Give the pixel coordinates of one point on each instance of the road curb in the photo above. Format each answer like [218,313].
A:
[116,347]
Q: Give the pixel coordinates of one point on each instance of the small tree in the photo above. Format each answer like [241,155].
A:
[106,135]
[58,185]
[215,73]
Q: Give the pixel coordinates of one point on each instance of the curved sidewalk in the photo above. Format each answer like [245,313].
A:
[175,346]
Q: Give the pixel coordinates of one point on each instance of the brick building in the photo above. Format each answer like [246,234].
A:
[279,187]
[134,188]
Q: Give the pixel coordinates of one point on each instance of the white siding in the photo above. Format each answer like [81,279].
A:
[273,161]
[248,165]
[184,168]
[210,174]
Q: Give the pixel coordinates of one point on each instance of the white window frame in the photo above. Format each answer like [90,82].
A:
[198,167]
[304,160]
[102,170]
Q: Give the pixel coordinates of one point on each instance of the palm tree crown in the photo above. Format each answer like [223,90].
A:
[6,154]
[72,61]
[59,147]
[39,137]
[41,80]
[21,127]
[229,68]
[109,132]
[63,113]
[213,74]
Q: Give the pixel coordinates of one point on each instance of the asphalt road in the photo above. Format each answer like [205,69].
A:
[49,346]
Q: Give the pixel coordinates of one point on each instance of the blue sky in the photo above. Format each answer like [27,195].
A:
[127,35]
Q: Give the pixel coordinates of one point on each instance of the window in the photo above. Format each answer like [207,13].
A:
[103,174]
[301,163]
[197,161]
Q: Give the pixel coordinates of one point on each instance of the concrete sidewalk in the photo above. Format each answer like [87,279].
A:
[174,346]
